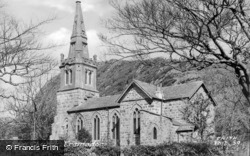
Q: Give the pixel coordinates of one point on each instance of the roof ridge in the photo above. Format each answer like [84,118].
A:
[184,83]
[144,82]
[107,96]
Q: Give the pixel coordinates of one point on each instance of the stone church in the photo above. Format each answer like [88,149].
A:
[143,114]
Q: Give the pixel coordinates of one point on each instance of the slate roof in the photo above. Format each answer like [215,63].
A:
[186,90]
[97,103]
[170,92]
[149,89]
[184,128]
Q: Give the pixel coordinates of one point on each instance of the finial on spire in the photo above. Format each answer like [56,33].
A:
[78,39]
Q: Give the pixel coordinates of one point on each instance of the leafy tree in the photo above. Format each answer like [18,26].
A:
[84,136]
[199,112]
[201,33]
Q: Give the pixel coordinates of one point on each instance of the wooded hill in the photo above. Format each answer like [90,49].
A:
[113,76]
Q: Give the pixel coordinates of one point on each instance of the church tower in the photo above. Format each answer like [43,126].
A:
[78,71]
[78,79]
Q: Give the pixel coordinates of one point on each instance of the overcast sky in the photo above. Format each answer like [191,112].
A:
[59,31]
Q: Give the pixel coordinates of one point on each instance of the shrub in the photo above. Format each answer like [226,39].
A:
[76,151]
[173,149]
[106,150]
[166,149]
[84,136]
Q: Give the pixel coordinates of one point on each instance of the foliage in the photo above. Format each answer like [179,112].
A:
[202,33]
[166,149]
[84,136]
[33,106]
[198,113]
[107,150]
[216,80]
[77,151]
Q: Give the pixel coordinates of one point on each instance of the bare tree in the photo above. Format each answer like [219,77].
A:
[199,113]
[6,128]
[200,32]
[232,119]
[22,53]
[33,109]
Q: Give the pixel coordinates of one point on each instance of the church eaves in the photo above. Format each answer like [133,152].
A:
[174,92]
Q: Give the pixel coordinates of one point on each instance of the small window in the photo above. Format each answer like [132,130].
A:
[70,76]
[154,133]
[115,127]
[67,77]
[86,77]
[96,128]
[90,77]
[79,124]
[136,121]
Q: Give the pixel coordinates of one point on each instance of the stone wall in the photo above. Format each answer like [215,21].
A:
[174,108]
[135,98]
[153,113]
[148,123]
[65,101]
[105,123]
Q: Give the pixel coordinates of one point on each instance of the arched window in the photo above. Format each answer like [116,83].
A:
[67,77]
[90,77]
[79,124]
[136,121]
[115,127]
[70,76]
[96,128]
[86,76]
[154,133]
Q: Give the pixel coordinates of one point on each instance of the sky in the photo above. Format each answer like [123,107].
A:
[59,30]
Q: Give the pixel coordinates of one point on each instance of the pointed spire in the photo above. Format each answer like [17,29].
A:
[78,41]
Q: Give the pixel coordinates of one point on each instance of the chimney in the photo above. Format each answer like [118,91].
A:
[159,92]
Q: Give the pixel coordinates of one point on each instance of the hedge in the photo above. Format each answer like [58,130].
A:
[166,149]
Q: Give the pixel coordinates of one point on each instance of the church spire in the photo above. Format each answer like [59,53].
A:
[78,43]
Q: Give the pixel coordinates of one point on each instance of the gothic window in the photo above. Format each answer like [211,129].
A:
[67,77]
[115,127]
[96,128]
[154,133]
[79,124]
[86,77]
[136,121]
[70,76]
[90,77]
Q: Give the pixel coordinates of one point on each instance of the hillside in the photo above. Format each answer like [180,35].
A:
[113,76]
